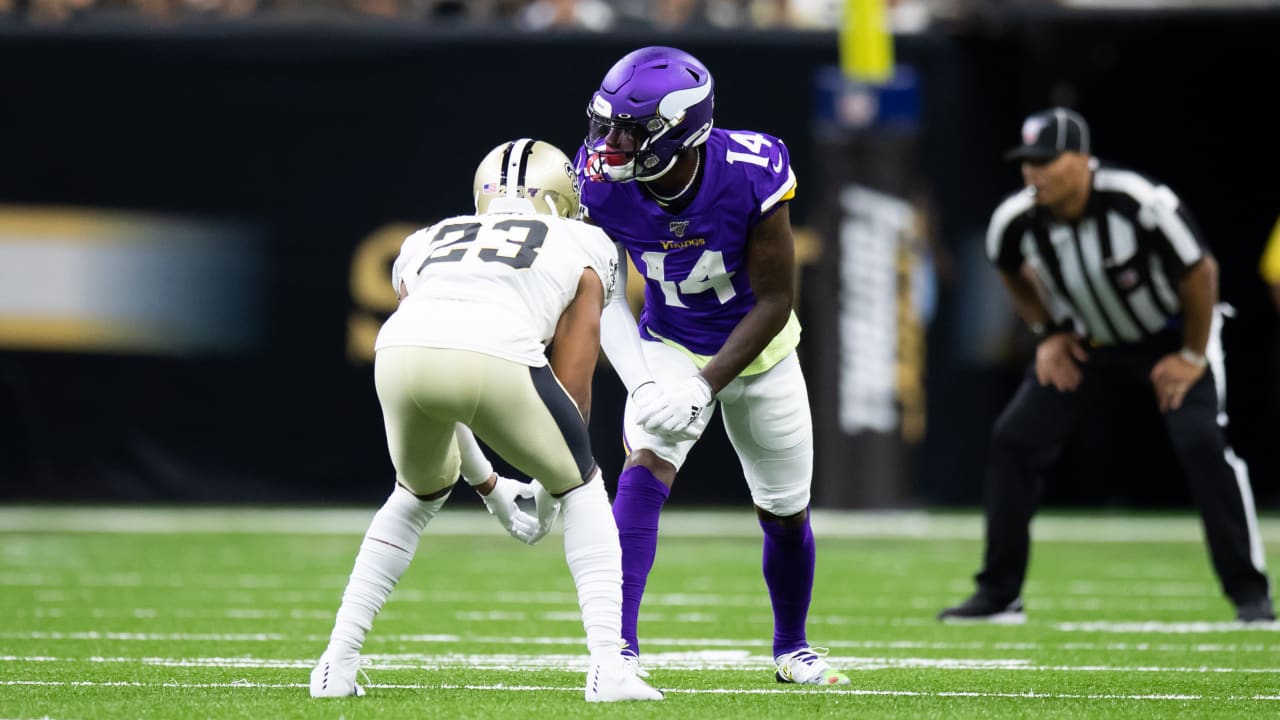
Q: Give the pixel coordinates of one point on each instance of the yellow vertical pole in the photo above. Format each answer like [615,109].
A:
[866,46]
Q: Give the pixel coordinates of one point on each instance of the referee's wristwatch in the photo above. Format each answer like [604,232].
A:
[1043,330]
[1191,357]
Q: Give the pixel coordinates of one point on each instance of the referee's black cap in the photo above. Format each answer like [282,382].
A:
[1049,133]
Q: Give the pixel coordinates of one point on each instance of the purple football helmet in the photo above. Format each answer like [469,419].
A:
[654,104]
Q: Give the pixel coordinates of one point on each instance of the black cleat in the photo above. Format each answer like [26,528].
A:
[1259,610]
[980,608]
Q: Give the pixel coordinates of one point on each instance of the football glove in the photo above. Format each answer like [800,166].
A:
[649,401]
[502,504]
[684,405]
[548,509]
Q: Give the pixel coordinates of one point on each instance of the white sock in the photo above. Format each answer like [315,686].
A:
[595,560]
[389,545]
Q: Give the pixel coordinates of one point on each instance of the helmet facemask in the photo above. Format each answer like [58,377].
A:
[619,149]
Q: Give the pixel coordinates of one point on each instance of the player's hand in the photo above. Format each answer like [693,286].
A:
[1056,361]
[1172,378]
[548,509]
[501,502]
[684,405]
[649,401]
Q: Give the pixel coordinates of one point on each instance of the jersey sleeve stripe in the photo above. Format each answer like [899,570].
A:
[1179,234]
[1000,220]
[786,192]
[1159,210]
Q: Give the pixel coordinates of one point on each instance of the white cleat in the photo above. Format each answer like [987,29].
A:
[335,676]
[614,681]
[632,661]
[808,666]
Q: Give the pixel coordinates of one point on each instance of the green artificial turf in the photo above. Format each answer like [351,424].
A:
[155,613]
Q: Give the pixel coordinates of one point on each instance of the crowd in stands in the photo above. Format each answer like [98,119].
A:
[583,15]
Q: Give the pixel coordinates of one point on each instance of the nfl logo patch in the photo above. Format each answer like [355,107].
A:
[1031,129]
[677,227]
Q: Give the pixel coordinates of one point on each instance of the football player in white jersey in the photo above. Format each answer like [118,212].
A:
[481,297]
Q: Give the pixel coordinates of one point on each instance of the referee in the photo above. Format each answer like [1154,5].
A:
[1109,271]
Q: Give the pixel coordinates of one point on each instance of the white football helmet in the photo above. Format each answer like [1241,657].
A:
[526,176]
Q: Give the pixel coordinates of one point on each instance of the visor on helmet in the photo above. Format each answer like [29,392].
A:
[620,147]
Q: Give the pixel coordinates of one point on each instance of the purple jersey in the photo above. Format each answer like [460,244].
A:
[695,262]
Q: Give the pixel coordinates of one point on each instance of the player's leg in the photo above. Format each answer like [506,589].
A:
[527,417]
[643,488]
[768,421]
[531,422]
[425,456]
[1027,436]
[1220,485]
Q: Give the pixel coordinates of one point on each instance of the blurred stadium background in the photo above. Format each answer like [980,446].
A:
[200,199]
[199,204]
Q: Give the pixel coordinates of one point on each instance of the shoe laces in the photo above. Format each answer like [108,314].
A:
[631,662]
[806,655]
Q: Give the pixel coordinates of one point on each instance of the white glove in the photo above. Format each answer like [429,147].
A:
[548,510]
[501,502]
[684,405]
[650,401]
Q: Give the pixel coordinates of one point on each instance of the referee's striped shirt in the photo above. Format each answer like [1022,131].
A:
[1115,269]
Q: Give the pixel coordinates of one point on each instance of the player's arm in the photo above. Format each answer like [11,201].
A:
[402,280]
[1175,373]
[1026,298]
[620,335]
[1059,349]
[576,344]
[771,263]
[1185,257]
[1198,293]
[620,340]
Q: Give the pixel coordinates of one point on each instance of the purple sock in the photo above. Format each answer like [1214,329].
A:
[789,558]
[636,507]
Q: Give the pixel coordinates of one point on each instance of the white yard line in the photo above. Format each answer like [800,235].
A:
[154,637]
[244,684]
[1164,628]
[676,523]
[687,661]
[576,641]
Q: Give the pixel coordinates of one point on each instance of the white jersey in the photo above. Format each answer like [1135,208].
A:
[494,283]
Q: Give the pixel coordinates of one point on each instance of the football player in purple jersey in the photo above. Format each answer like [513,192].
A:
[703,214]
